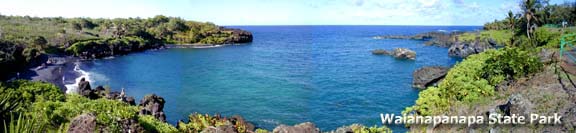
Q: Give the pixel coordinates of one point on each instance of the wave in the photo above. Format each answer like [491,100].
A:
[73,88]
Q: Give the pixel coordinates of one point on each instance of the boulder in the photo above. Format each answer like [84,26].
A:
[547,56]
[237,119]
[518,105]
[84,88]
[306,127]
[131,126]
[404,53]
[220,129]
[428,76]
[130,100]
[399,53]
[464,49]
[84,123]
[380,52]
[153,105]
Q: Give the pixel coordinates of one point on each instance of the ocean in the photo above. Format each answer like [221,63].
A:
[287,75]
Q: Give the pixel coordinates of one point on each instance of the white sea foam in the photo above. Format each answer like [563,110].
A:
[73,88]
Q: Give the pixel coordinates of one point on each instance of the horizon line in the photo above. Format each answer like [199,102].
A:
[350,25]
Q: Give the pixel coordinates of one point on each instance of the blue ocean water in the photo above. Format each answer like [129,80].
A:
[287,75]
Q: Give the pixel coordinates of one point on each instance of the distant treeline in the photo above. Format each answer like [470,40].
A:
[537,13]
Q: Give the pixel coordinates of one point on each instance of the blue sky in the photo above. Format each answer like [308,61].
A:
[278,12]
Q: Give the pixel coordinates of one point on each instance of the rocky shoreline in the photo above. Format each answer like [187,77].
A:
[456,47]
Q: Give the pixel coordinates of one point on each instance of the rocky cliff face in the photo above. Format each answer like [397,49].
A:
[428,76]
[238,36]
[464,49]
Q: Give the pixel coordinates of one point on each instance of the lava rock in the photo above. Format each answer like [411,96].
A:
[84,123]
[404,53]
[306,127]
[465,49]
[399,53]
[131,126]
[518,105]
[380,52]
[428,76]
[220,129]
[84,88]
[153,105]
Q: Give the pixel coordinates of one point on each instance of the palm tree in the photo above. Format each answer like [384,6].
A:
[528,6]
[511,20]
[512,24]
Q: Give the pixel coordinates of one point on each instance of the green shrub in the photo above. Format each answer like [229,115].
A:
[474,79]
[374,129]
[108,112]
[547,37]
[198,122]
[510,63]
[22,125]
[152,124]
[24,93]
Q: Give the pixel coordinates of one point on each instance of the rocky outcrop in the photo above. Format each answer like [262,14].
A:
[84,123]
[428,76]
[380,52]
[84,88]
[238,36]
[306,127]
[399,53]
[237,120]
[100,92]
[441,39]
[131,126]
[518,105]
[220,129]
[153,105]
[464,49]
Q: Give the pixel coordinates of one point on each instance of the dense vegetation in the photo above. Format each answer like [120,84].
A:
[476,77]
[25,40]
[28,106]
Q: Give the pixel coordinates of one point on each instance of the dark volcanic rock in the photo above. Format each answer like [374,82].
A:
[84,123]
[441,39]
[131,126]
[464,49]
[130,100]
[428,76]
[518,105]
[238,36]
[220,129]
[399,53]
[237,119]
[380,52]
[404,53]
[84,88]
[306,127]
[153,105]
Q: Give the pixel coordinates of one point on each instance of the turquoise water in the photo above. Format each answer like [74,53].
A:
[288,75]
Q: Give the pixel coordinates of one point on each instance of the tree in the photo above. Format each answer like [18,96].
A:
[528,6]
[511,20]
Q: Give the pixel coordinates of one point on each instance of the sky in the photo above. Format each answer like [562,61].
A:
[278,12]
